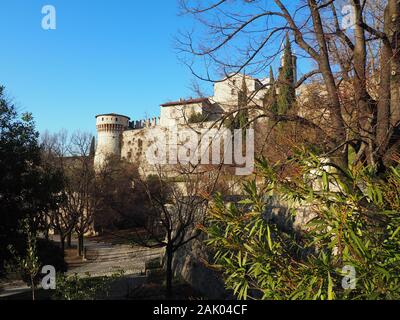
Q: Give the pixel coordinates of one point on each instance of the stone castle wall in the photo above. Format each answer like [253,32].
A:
[135,145]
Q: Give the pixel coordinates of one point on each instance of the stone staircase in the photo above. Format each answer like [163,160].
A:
[103,259]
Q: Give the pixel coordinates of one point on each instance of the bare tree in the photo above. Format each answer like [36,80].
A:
[247,35]
[175,209]
[80,189]
[56,157]
[118,206]
[165,209]
[73,158]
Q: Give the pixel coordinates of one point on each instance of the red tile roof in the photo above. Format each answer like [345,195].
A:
[112,115]
[184,102]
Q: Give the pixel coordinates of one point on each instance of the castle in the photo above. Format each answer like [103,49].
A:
[130,140]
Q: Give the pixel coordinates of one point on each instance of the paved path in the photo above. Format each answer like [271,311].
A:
[104,259]
[13,288]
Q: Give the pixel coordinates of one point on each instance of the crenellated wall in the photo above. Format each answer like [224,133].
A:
[147,123]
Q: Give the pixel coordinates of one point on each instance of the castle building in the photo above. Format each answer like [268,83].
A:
[129,140]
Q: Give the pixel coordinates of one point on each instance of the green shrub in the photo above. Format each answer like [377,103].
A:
[197,118]
[48,253]
[76,288]
[356,225]
[153,264]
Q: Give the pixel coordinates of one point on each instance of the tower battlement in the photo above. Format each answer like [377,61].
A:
[147,123]
[109,127]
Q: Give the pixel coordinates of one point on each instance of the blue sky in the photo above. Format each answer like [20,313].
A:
[104,56]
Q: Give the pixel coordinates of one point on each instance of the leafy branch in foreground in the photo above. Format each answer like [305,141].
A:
[89,288]
[28,265]
[355,225]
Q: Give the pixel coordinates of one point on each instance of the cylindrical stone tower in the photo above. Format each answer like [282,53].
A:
[109,133]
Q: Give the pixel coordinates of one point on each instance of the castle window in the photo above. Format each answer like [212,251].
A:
[116,119]
[234,82]
[233,92]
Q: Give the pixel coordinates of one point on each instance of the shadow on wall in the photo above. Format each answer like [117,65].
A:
[190,264]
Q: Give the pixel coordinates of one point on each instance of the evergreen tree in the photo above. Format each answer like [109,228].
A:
[240,120]
[92,148]
[287,92]
[26,189]
[242,117]
[270,99]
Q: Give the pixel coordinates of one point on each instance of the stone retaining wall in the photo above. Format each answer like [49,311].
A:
[191,261]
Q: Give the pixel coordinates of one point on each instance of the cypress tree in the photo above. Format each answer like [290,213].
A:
[92,148]
[240,120]
[270,99]
[287,92]
[242,117]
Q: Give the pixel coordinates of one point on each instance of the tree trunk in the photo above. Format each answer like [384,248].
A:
[363,101]
[383,112]
[69,240]
[62,241]
[33,288]
[80,245]
[339,157]
[46,233]
[169,274]
[392,29]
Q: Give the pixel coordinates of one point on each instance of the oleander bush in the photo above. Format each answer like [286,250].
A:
[350,249]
